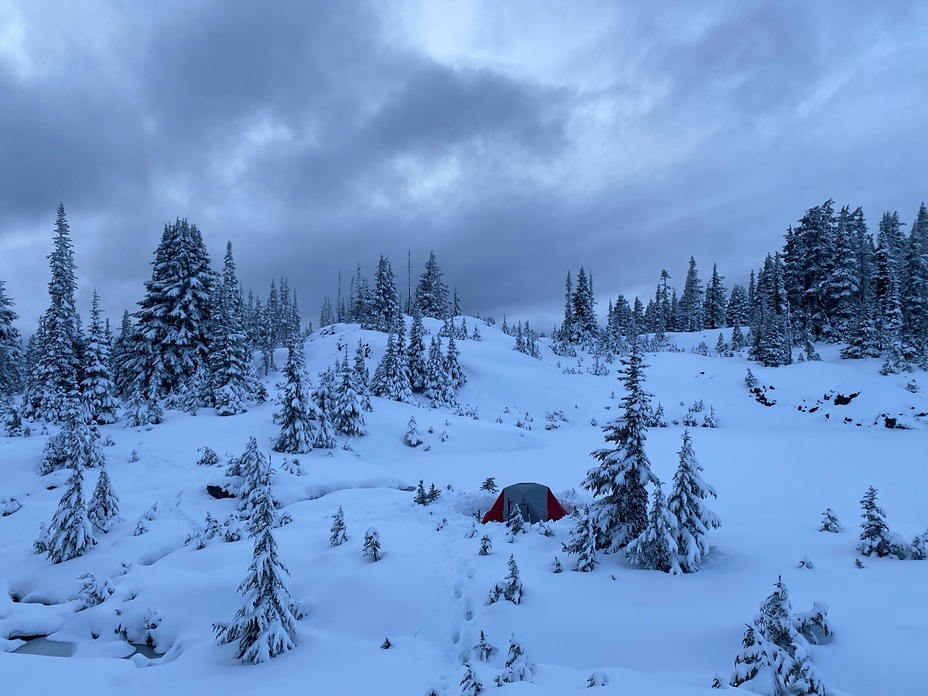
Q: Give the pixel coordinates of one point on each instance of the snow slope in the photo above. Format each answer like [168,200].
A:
[776,468]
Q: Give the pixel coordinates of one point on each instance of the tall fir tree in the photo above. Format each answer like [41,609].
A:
[11,351]
[52,388]
[391,380]
[439,385]
[172,329]
[415,351]
[690,311]
[298,430]
[585,330]
[98,392]
[715,302]
[894,351]
[70,533]
[233,376]
[771,335]
[431,292]
[361,377]
[915,287]
[103,507]
[347,411]
[687,504]
[265,626]
[385,306]
[619,482]
[656,547]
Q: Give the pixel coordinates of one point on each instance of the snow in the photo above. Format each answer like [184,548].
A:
[776,469]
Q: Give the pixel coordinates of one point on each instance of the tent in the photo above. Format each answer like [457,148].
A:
[537,503]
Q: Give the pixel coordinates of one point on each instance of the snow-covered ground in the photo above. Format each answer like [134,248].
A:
[776,468]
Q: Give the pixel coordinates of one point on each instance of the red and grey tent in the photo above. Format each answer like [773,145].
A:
[536,502]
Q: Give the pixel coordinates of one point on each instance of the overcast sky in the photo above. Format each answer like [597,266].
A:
[517,139]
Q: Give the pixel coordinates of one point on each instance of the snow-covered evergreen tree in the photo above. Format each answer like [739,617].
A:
[173,320]
[52,386]
[470,684]
[875,537]
[391,380]
[98,392]
[583,542]
[338,534]
[411,438]
[298,430]
[233,377]
[265,626]
[385,304]
[656,547]
[714,303]
[371,548]
[361,378]
[510,588]
[519,666]
[830,522]
[346,415]
[415,351]
[103,507]
[11,353]
[431,292]
[914,290]
[771,333]
[691,316]
[255,470]
[618,484]
[70,533]
[919,548]
[453,365]
[439,386]
[687,505]
[894,351]
[324,405]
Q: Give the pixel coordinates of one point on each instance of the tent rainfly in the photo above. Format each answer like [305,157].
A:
[536,502]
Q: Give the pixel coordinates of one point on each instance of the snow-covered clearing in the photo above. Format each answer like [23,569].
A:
[776,469]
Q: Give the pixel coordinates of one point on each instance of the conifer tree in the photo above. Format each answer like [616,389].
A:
[391,380]
[103,507]
[371,548]
[687,504]
[298,430]
[415,352]
[584,328]
[830,522]
[470,684]
[874,534]
[347,416]
[174,316]
[439,387]
[97,388]
[510,588]
[324,406]
[453,365]
[233,377]
[385,305]
[738,309]
[656,547]
[691,316]
[886,285]
[53,381]
[337,534]
[519,666]
[70,533]
[714,305]
[620,504]
[11,353]
[914,291]
[411,438]
[431,292]
[361,378]
[265,625]
[771,335]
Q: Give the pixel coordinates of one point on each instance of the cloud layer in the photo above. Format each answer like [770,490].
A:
[518,141]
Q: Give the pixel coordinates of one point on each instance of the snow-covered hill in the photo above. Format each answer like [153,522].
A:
[775,467]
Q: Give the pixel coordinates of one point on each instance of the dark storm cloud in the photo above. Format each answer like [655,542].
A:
[313,137]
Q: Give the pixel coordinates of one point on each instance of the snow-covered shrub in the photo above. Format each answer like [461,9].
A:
[338,534]
[372,545]
[510,588]
[830,522]
[93,591]
[207,457]
[8,506]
